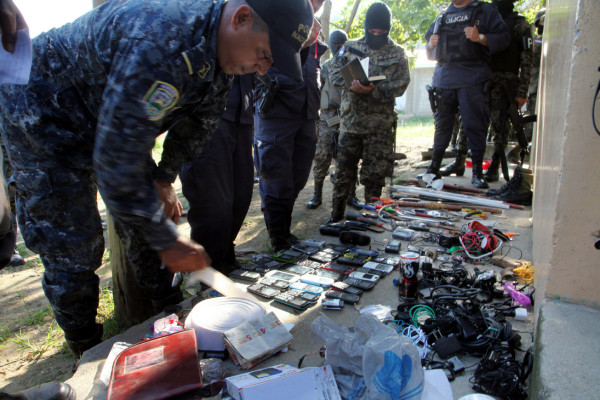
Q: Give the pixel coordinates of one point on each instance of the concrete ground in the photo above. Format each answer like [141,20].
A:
[384,293]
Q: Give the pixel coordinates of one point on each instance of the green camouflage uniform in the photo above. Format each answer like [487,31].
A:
[510,84]
[330,105]
[367,126]
[533,85]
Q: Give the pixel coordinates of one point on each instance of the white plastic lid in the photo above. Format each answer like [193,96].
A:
[210,318]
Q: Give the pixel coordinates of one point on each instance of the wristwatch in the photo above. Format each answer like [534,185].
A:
[481,37]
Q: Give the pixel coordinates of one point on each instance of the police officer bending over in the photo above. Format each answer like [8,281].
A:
[462,39]
[102,89]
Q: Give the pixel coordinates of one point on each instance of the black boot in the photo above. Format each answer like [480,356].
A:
[457,167]
[510,185]
[80,340]
[478,180]
[176,297]
[47,391]
[519,192]
[492,174]
[317,196]
[353,200]
[372,192]
[338,211]
[434,167]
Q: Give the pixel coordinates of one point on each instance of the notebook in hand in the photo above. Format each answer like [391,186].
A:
[355,70]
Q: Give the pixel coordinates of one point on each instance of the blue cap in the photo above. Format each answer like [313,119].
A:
[289,22]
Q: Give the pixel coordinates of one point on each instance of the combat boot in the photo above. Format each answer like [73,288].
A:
[176,297]
[372,192]
[514,182]
[478,180]
[80,340]
[434,167]
[316,200]
[47,391]
[457,167]
[492,174]
[353,200]
[518,194]
[338,211]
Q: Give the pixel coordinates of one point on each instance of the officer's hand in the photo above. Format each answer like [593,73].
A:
[185,255]
[472,33]
[433,40]
[11,21]
[520,101]
[360,88]
[171,205]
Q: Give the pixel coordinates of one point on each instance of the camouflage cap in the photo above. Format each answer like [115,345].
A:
[289,22]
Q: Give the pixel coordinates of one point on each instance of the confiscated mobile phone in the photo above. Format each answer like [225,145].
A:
[286,276]
[389,260]
[249,276]
[288,256]
[344,287]
[359,283]
[386,269]
[342,269]
[366,252]
[317,280]
[332,304]
[370,271]
[346,297]
[306,287]
[353,259]
[315,242]
[403,233]
[311,297]
[298,269]
[306,248]
[291,300]
[265,291]
[364,276]
[322,257]
[267,263]
[393,246]
[313,264]
[327,273]
[341,248]
[276,283]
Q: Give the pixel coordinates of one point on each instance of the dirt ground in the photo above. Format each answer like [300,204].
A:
[32,349]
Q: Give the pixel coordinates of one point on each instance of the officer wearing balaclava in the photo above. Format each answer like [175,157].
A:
[337,39]
[367,111]
[378,23]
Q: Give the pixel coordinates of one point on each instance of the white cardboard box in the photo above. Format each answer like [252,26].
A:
[284,381]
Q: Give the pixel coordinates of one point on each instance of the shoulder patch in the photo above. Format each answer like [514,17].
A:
[159,99]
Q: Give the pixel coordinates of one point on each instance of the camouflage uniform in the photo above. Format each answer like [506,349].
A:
[533,85]
[101,90]
[330,105]
[367,125]
[512,73]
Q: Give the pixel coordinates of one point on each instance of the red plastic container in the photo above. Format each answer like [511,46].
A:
[485,165]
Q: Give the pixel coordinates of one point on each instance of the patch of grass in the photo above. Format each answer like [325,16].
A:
[37,350]
[4,335]
[106,256]
[106,313]
[37,317]
[415,127]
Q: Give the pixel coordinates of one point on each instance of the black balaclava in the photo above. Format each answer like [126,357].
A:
[337,39]
[378,16]
[505,7]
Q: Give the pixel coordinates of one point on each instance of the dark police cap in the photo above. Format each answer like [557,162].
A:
[289,22]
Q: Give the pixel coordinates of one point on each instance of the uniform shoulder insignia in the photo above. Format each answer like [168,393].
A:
[159,99]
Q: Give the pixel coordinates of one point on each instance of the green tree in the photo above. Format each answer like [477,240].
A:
[412,18]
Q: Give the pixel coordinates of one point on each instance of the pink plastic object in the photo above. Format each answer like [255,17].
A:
[517,296]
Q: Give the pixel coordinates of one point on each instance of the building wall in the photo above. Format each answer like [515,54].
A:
[566,219]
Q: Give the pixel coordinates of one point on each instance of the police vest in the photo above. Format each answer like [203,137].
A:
[509,59]
[454,46]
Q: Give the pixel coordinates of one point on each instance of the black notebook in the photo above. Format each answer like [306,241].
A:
[355,70]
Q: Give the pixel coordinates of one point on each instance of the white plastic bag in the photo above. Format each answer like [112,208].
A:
[370,361]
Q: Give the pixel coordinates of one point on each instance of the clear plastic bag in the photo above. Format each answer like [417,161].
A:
[370,361]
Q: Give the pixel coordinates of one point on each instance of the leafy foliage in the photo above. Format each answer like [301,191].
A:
[412,18]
